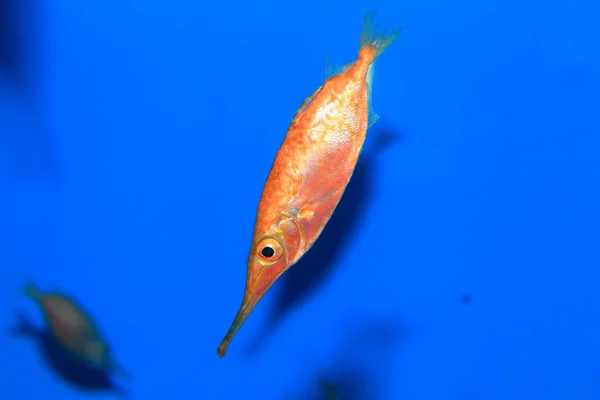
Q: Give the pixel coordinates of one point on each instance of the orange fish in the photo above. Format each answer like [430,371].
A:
[311,170]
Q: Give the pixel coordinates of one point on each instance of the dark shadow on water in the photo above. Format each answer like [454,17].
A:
[348,384]
[363,361]
[11,40]
[64,365]
[358,371]
[20,31]
[21,28]
[318,264]
[27,149]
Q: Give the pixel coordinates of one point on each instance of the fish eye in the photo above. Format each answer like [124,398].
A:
[269,249]
[267,252]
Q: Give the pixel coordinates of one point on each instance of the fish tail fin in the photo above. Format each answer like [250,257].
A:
[372,44]
[31,290]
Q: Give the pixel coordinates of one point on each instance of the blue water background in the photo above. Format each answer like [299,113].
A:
[135,138]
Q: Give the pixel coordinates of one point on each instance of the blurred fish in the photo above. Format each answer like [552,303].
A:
[74,329]
[311,171]
[71,369]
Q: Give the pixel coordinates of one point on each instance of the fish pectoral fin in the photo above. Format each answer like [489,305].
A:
[373,116]
[333,70]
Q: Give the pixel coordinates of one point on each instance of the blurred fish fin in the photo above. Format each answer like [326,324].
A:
[122,393]
[333,70]
[23,326]
[121,372]
[31,290]
[26,285]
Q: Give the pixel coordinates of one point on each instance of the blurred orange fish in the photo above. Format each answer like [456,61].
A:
[311,170]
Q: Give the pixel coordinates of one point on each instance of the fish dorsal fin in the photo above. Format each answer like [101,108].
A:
[332,70]
[305,104]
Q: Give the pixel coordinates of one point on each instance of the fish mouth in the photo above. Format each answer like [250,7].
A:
[244,311]
[239,319]
[255,290]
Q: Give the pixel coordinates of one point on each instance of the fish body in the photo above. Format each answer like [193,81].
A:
[311,171]
[74,329]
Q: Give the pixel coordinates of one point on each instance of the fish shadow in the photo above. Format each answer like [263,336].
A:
[18,41]
[11,42]
[318,264]
[66,366]
[28,151]
[356,371]
[347,384]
